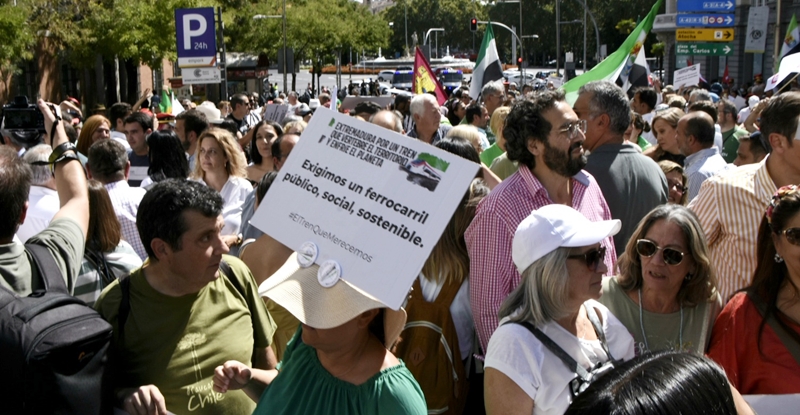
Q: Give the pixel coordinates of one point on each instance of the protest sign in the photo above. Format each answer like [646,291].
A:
[374,201]
[275,112]
[688,76]
[350,101]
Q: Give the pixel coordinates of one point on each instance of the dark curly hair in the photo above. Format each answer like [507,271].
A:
[525,122]
[161,216]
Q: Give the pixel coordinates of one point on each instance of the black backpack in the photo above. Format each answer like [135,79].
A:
[53,348]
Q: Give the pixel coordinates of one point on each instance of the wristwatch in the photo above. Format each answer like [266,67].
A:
[64,152]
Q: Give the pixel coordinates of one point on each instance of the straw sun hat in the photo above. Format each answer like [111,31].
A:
[298,289]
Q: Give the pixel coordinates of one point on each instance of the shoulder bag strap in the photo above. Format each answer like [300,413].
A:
[47,268]
[598,329]
[788,341]
[557,350]
[100,264]
[124,305]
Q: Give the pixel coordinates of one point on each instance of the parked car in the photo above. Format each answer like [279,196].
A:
[386,76]
[403,79]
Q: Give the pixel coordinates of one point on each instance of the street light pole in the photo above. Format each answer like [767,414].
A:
[405,5]
[285,81]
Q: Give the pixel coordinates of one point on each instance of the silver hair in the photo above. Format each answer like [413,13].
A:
[542,295]
[492,88]
[418,103]
[40,174]
[608,98]
[699,95]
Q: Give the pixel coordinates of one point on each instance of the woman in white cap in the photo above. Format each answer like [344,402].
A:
[554,337]
[338,361]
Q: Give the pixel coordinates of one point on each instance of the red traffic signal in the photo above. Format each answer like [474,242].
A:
[519,61]
[473,25]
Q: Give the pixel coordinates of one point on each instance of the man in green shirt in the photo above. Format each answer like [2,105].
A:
[185,316]
[731,133]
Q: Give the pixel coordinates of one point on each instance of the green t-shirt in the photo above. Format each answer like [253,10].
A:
[305,387]
[503,167]
[176,342]
[643,144]
[730,143]
[663,330]
[491,153]
[63,237]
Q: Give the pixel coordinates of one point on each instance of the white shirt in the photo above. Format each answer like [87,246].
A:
[460,310]
[700,166]
[43,203]
[649,135]
[126,201]
[233,193]
[518,354]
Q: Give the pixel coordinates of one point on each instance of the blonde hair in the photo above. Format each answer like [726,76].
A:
[469,133]
[542,294]
[299,126]
[89,127]
[671,166]
[235,162]
[669,116]
[498,121]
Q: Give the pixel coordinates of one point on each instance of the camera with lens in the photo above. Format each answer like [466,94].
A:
[21,115]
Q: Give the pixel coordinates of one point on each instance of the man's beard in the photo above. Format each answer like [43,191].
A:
[562,162]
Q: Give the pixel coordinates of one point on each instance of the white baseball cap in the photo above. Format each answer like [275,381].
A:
[752,101]
[553,226]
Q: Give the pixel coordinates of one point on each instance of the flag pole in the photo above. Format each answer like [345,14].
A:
[777,51]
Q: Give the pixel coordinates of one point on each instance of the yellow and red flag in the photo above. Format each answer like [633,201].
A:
[424,79]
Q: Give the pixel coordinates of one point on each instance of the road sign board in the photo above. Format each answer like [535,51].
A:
[706,6]
[196,37]
[705,20]
[201,76]
[706,49]
[711,35]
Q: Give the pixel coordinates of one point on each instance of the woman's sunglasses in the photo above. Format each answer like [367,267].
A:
[648,248]
[792,235]
[592,258]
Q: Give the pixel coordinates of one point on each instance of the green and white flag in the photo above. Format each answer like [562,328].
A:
[487,67]
[791,42]
[618,64]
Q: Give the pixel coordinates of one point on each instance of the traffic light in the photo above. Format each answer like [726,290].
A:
[473,25]
[519,61]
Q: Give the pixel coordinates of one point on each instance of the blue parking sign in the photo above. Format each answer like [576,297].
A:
[196,37]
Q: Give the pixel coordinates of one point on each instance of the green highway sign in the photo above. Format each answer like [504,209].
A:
[707,49]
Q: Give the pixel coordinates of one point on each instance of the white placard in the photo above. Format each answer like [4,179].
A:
[275,112]
[774,404]
[192,76]
[688,76]
[350,101]
[373,200]
[756,40]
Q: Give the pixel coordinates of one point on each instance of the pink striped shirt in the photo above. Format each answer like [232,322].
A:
[729,207]
[492,272]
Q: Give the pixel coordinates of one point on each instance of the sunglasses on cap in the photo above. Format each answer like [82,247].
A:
[648,248]
[792,235]
[592,258]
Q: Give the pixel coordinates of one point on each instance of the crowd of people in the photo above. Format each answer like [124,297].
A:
[623,245]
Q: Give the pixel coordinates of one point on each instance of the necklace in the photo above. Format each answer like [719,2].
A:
[641,324]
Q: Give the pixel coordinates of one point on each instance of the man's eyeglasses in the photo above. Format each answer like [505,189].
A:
[592,258]
[792,235]
[572,129]
[648,248]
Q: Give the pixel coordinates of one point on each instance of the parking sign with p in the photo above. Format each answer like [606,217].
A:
[196,37]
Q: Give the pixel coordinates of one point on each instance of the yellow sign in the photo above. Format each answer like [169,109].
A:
[708,35]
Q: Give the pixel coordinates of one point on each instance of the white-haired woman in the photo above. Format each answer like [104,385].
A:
[553,336]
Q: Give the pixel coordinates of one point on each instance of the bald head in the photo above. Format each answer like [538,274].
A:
[389,120]
[695,132]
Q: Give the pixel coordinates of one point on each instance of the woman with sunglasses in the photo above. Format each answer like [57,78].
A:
[665,293]
[558,254]
[757,336]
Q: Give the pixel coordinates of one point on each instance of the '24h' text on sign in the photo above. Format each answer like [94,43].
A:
[372,200]
[196,37]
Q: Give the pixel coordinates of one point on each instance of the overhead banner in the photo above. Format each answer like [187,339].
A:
[756,41]
[364,201]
